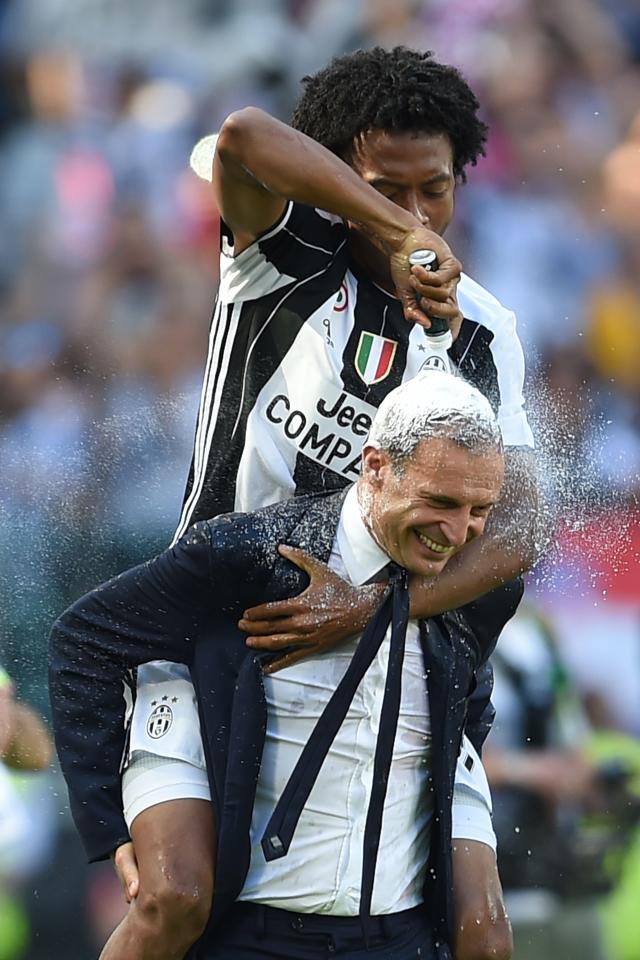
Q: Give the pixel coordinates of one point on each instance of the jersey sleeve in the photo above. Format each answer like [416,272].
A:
[300,244]
[490,356]
[154,611]
[509,360]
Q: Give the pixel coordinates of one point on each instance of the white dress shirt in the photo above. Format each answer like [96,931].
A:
[323,869]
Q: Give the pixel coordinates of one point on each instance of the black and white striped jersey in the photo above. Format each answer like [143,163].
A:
[302,350]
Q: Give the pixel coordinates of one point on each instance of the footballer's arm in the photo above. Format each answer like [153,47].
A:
[261,163]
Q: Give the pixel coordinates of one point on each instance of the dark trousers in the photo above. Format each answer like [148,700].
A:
[254,932]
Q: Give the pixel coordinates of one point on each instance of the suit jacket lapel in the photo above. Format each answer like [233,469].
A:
[316,530]
[314,533]
[439,665]
[439,661]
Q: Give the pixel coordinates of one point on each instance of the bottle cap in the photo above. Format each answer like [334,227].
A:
[424,258]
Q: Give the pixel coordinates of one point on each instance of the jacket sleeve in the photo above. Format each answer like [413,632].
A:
[478,626]
[481,712]
[153,611]
[485,618]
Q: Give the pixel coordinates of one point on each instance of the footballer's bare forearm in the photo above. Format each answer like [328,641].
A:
[262,154]
[515,537]
[485,564]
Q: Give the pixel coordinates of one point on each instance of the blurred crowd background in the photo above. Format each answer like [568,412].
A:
[108,269]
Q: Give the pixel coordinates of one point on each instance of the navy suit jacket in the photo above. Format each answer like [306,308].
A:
[183,606]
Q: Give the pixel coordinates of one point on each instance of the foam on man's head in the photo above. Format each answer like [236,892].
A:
[433,404]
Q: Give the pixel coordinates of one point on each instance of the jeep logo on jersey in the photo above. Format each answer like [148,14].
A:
[159,722]
[330,430]
[374,357]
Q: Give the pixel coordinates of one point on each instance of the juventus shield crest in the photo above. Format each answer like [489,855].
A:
[159,721]
[374,356]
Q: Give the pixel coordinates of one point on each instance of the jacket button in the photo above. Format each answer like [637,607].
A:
[297,923]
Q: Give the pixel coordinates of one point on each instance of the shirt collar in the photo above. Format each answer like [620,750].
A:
[361,555]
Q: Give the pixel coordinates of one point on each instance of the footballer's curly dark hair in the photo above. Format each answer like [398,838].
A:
[397,89]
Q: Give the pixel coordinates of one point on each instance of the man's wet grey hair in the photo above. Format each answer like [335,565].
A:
[434,404]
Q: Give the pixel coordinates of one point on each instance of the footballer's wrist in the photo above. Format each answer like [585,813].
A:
[369,599]
[395,230]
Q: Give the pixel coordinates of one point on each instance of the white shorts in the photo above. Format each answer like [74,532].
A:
[166,759]
[149,780]
[165,719]
[471,812]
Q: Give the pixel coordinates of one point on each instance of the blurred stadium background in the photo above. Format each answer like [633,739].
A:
[108,260]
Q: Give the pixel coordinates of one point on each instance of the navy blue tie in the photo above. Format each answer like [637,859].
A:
[279,832]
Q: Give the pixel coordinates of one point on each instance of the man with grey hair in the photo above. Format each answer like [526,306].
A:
[332,779]
[434,404]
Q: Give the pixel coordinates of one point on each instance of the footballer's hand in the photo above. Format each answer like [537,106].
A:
[427,293]
[124,860]
[329,611]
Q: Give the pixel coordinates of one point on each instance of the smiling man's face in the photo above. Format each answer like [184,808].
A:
[425,510]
